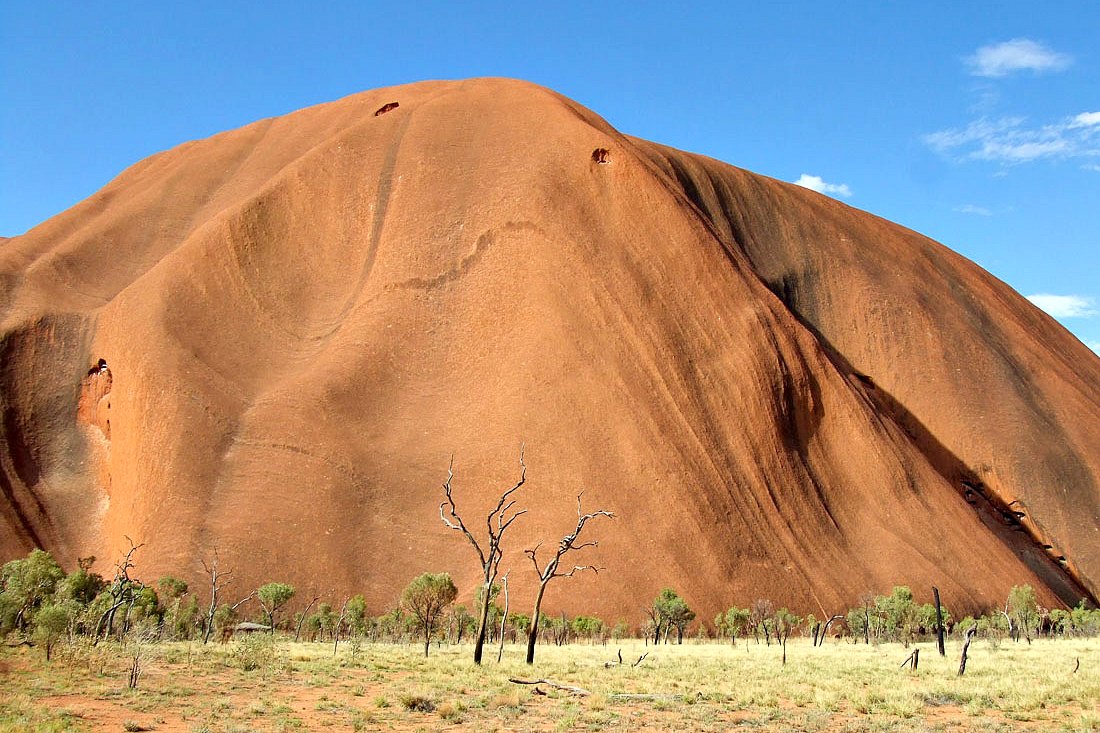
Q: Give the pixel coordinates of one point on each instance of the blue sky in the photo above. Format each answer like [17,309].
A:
[978,126]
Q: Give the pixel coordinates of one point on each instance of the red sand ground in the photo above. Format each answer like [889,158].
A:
[779,395]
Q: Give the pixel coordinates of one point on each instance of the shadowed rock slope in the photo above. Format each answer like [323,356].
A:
[301,320]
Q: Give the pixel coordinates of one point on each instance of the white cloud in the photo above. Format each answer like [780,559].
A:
[1009,140]
[816,183]
[1019,54]
[972,209]
[1091,167]
[1065,306]
[1085,119]
[1094,345]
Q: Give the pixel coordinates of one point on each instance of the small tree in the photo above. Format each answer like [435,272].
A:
[355,614]
[459,621]
[731,622]
[273,597]
[171,591]
[784,623]
[897,612]
[673,611]
[761,619]
[51,621]
[26,584]
[1023,608]
[552,568]
[859,619]
[425,598]
[498,521]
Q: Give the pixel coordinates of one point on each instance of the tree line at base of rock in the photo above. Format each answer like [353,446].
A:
[41,604]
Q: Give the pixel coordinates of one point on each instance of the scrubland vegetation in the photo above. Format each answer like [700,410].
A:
[265,683]
[86,653]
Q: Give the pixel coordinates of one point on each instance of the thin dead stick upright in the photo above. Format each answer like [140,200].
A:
[498,521]
[218,579]
[503,617]
[966,648]
[550,571]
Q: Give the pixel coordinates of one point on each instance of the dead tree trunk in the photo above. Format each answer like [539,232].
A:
[122,592]
[339,626]
[503,618]
[966,647]
[825,630]
[546,574]
[939,622]
[302,618]
[218,580]
[498,522]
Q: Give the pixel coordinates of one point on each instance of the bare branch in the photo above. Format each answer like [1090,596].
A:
[501,508]
[534,560]
[577,568]
[243,601]
[507,524]
[549,683]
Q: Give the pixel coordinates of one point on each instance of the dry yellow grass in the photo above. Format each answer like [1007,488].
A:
[707,687]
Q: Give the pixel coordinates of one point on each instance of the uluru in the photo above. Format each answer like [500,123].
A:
[271,342]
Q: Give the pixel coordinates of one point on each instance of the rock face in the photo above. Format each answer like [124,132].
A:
[302,320]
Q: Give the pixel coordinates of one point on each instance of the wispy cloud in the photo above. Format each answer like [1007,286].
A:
[1019,54]
[1094,345]
[1085,119]
[816,183]
[1010,140]
[1065,306]
[972,209]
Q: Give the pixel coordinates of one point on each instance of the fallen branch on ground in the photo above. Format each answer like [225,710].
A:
[549,683]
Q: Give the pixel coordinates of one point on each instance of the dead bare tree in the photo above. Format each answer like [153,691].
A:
[339,625]
[820,641]
[302,617]
[498,521]
[122,592]
[218,580]
[551,570]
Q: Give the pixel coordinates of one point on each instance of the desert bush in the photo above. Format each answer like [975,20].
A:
[254,652]
[417,703]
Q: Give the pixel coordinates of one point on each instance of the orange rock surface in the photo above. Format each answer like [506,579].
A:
[302,320]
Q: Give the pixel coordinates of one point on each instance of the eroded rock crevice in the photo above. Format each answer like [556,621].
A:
[94,407]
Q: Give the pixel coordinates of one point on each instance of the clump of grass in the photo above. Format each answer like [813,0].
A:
[508,699]
[939,698]
[417,703]
[450,712]
[255,652]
